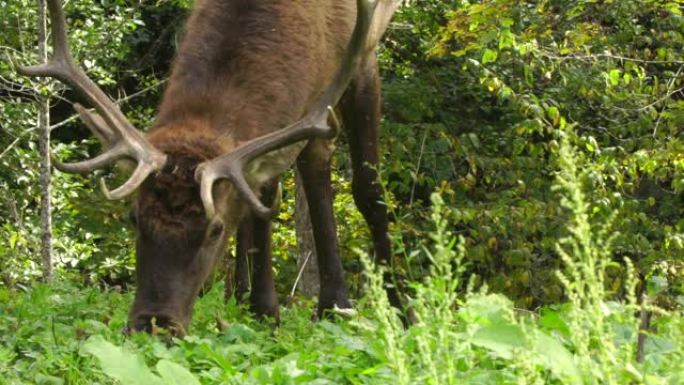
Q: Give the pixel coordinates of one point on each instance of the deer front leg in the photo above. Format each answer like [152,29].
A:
[244,246]
[254,244]
[314,166]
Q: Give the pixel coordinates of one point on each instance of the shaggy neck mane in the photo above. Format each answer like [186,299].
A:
[190,140]
[180,206]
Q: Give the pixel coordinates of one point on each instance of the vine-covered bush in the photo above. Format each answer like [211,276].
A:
[475,95]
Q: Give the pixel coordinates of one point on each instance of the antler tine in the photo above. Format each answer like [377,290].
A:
[231,166]
[96,125]
[110,124]
[100,161]
[139,175]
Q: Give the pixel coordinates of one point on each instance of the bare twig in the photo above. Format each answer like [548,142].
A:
[299,274]
[606,55]
[670,85]
[644,326]
[118,102]
[12,49]
[661,99]
[6,150]
[420,158]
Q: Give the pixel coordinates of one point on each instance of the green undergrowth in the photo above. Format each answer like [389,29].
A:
[65,334]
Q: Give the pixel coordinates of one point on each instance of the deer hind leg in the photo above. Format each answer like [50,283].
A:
[360,108]
[254,245]
[314,167]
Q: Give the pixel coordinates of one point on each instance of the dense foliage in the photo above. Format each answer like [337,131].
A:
[551,130]
[474,97]
[480,94]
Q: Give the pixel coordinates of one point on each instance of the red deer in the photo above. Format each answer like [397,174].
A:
[252,88]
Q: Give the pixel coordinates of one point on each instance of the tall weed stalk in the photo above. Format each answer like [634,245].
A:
[586,253]
[428,352]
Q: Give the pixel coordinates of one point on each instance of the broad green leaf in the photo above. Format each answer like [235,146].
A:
[553,114]
[489,56]
[119,364]
[614,77]
[42,379]
[550,319]
[487,309]
[501,339]
[474,140]
[13,240]
[555,357]
[506,39]
[656,285]
[174,374]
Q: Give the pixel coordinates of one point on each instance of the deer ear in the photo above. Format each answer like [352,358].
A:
[272,164]
[133,216]
[215,229]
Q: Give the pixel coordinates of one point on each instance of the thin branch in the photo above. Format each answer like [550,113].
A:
[670,85]
[299,274]
[594,57]
[12,85]
[8,48]
[14,143]
[644,326]
[420,159]
[118,102]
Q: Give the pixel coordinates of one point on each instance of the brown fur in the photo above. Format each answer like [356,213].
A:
[249,67]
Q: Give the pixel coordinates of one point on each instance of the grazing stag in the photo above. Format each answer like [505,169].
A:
[252,89]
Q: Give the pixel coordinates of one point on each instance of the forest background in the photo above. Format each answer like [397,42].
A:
[485,103]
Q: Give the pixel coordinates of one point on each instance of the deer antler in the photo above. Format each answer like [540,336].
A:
[109,124]
[314,124]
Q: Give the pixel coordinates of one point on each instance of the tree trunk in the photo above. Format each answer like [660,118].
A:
[44,150]
[307,278]
[14,211]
